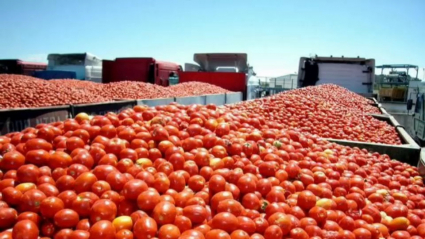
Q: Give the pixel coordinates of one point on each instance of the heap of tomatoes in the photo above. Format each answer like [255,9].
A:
[19,91]
[308,110]
[199,172]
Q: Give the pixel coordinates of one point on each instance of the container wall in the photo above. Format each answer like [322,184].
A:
[155,102]
[235,97]
[102,108]
[13,120]
[191,100]
[218,99]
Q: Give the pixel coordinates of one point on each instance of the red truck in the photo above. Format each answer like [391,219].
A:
[20,67]
[144,69]
[227,70]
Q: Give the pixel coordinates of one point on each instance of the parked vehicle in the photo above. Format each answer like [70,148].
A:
[227,70]
[85,65]
[144,69]
[356,74]
[15,66]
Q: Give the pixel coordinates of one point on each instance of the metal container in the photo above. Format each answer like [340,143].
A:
[191,100]
[217,99]
[13,120]
[234,97]
[102,108]
[156,102]
[409,152]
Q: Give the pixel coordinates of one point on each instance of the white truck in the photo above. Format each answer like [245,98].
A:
[85,65]
[356,74]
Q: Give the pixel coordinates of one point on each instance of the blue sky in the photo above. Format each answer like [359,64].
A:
[275,34]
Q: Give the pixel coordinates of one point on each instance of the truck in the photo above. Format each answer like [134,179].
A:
[143,69]
[230,71]
[354,73]
[16,66]
[82,66]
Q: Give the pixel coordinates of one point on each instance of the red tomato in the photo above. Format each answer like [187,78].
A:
[225,221]
[66,218]
[164,213]
[25,229]
[8,217]
[103,209]
[102,230]
[145,228]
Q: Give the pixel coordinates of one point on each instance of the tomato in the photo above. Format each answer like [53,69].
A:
[148,199]
[251,201]
[230,205]
[225,221]
[282,220]
[299,233]
[83,225]
[28,173]
[48,229]
[169,231]
[37,157]
[217,234]
[102,229]
[183,223]
[12,160]
[246,184]
[399,223]
[306,200]
[196,213]
[31,200]
[59,160]
[11,196]
[50,206]
[8,217]
[362,233]
[133,188]
[103,209]
[25,229]
[145,228]
[66,218]
[124,234]
[164,213]
[239,234]
[80,234]
[122,222]
[246,224]
[64,233]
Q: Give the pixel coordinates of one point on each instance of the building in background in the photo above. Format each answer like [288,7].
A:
[286,81]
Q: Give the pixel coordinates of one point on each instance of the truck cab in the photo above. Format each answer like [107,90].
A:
[143,69]
[85,65]
[356,74]
[227,70]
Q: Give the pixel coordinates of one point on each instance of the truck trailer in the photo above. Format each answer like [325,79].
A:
[15,66]
[144,69]
[230,71]
[356,74]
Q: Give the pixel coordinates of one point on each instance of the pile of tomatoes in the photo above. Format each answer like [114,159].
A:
[307,110]
[20,91]
[199,172]
[339,95]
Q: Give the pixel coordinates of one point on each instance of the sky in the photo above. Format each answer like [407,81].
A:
[274,34]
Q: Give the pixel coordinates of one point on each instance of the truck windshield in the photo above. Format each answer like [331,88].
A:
[75,59]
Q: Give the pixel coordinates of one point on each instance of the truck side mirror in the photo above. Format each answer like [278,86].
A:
[409,104]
